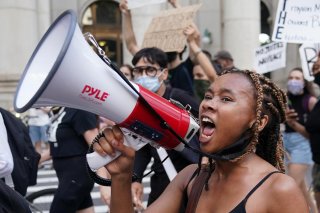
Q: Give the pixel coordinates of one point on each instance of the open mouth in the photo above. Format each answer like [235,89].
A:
[208,126]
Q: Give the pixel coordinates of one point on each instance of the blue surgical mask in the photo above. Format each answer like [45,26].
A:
[295,87]
[150,83]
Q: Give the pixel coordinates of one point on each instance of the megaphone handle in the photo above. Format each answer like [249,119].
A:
[97,161]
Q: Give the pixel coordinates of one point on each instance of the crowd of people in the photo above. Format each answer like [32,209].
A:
[256,142]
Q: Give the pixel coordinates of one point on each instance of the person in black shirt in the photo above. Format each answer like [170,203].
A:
[150,71]
[180,72]
[75,130]
[313,127]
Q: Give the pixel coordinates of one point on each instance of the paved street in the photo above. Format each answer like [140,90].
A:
[47,179]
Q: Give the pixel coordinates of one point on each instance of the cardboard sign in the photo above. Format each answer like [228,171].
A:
[308,56]
[140,3]
[166,30]
[297,21]
[270,57]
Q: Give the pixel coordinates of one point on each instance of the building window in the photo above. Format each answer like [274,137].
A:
[103,20]
[265,30]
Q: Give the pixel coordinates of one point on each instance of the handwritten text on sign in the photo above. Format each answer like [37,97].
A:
[308,56]
[297,21]
[270,57]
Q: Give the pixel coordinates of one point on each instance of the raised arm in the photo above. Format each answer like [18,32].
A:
[120,169]
[127,28]
[175,3]
[196,53]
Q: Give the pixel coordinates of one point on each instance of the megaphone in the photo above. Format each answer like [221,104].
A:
[65,71]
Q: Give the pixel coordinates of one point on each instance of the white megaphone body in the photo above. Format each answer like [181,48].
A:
[65,71]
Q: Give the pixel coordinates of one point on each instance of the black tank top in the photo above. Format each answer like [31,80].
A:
[241,207]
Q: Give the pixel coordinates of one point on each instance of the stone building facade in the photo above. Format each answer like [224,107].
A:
[227,24]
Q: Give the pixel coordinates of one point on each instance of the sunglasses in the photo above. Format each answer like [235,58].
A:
[149,70]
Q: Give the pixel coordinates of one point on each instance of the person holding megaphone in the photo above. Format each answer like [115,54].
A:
[240,119]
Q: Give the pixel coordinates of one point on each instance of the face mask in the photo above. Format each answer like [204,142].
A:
[238,148]
[150,83]
[295,87]
[200,87]
[317,78]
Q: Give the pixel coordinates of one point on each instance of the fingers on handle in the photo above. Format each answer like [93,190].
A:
[115,138]
[105,142]
[97,147]
[118,134]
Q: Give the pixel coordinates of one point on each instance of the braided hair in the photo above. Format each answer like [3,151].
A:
[270,101]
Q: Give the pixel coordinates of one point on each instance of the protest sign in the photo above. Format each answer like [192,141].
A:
[297,21]
[166,29]
[308,56]
[140,3]
[270,57]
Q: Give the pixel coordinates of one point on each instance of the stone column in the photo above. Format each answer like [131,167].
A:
[44,21]
[18,38]
[241,28]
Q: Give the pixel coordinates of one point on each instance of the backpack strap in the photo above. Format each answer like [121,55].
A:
[196,189]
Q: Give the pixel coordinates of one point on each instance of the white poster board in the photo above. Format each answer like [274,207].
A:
[297,21]
[140,3]
[270,57]
[308,56]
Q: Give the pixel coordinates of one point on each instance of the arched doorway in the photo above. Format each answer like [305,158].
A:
[103,20]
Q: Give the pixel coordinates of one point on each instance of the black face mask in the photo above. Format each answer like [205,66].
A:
[238,148]
[200,87]
[317,78]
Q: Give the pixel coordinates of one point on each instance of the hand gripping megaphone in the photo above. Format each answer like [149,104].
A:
[64,70]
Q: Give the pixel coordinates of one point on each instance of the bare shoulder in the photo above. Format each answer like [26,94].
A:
[184,175]
[189,169]
[282,183]
[285,195]
[172,197]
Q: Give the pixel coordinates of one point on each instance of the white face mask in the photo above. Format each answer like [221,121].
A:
[150,83]
[295,87]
